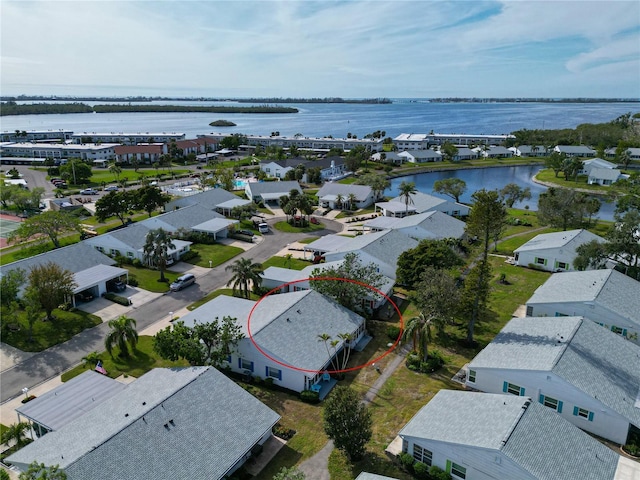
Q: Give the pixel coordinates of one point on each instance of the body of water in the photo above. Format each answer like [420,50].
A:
[489,179]
[338,119]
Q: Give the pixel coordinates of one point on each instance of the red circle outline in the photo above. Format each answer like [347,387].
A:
[340,279]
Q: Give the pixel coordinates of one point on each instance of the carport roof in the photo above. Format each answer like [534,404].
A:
[95,275]
[235,202]
[214,225]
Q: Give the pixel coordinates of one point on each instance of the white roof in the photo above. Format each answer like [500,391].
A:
[558,240]
[96,275]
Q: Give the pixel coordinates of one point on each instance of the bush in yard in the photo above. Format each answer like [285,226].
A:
[136,262]
[436,473]
[283,432]
[406,461]
[393,332]
[190,255]
[117,298]
[421,470]
[133,281]
[308,396]
[347,421]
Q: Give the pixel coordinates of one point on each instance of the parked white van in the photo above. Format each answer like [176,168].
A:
[182,282]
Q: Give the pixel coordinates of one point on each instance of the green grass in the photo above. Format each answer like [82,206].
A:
[216,253]
[348,180]
[292,263]
[507,247]
[46,333]
[149,279]
[308,240]
[104,175]
[140,361]
[286,227]
[217,293]
[547,175]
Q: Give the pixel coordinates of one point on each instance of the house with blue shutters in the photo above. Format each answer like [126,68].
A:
[587,374]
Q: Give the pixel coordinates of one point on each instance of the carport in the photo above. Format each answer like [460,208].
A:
[216,227]
[93,281]
[225,207]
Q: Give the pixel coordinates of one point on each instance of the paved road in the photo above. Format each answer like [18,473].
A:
[45,365]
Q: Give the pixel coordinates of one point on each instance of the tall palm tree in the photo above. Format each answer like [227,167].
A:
[123,333]
[116,170]
[325,337]
[352,200]
[406,190]
[339,201]
[245,271]
[156,249]
[346,348]
[419,330]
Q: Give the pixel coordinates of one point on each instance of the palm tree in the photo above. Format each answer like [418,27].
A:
[346,348]
[156,248]
[116,170]
[406,190]
[418,329]
[352,200]
[16,433]
[339,201]
[245,271]
[325,337]
[123,332]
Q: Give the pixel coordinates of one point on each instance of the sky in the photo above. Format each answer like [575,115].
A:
[349,49]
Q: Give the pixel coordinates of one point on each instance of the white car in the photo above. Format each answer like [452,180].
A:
[88,191]
[111,188]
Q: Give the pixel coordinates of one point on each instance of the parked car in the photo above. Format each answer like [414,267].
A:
[111,188]
[88,191]
[116,286]
[245,232]
[263,228]
[182,282]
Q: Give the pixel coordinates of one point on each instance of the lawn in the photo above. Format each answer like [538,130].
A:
[287,227]
[140,362]
[308,240]
[547,175]
[45,333]
[292,263]
[348,180]
[217,254]
[104,175]
[506,247]
[150,279]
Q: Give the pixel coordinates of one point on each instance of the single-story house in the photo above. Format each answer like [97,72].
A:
[217,199]
[330,167]
[634,153]
[494,151]
[388,157]
[130,241]
[482,436]
[427,225]
[588,165]
[420,203]
[372,476]
[607,297]
[381,248]
[169,423]
[555,251]
[285,327]
[336,195]
[575,150]
[421,156]
[587,374]
[465,153]
[604,176]
[296,280]
[270,192]
[529,151]
[196,217]
[91,268]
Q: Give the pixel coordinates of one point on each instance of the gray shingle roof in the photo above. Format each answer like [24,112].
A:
[261,188]
[373,476]
[185,217]
[534,437]
[558,240]
[422,202]
[435,223]
[385,246]
[74,258]
[360,191]
[210,198]
[203,438]
[575,149]
[605,174]
[609,288]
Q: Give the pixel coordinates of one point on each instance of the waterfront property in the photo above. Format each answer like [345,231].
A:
[422,141]
[36,135]
[553,252]
[419,203]
[607,297]
[604,176]
[633,152]
[169,423]
[126,138]
[583,372]
[270,192]
[336,195]
[428,225]
[319,144]
[529,151]
[575,151]
[482,436]
[59,151]
[286,327]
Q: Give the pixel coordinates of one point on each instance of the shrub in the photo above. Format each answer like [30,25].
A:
[4,475]
[136,262]
[268,382]
[421,470]
[406,461]
[28,399]
[632,449]
[436,473]
[308,396]
[434,362]
[283,432]
[133,281]
[190,255]
[393,332]
[117,298]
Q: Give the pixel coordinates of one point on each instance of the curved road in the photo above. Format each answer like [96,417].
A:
[49,363]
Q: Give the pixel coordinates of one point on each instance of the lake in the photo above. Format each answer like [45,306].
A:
[490,179]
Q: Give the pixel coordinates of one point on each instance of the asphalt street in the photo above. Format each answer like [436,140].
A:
[54,361]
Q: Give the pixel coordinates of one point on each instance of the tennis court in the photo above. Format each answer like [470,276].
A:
[7,225]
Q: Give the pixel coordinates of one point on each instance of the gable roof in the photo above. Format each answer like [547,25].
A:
[605,174]
[438,224]
[385,246]
[575,149]
[423,202]
[75,258]
[609,288]
[598,163]
[209,198]
[287,325]
[362,192]
[167,421]
[559,239]
[594,360]
[531,435]
[283,187]
[185,217]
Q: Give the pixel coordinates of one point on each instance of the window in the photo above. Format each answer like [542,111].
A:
[113,251]
[130,254]
[561,265]
[273,373]
[529,311]
[551,403]
[619,330]
[457,471]
[512,389]
[582,412]
[245,364]
[422,454]
[541,261]
[472,376]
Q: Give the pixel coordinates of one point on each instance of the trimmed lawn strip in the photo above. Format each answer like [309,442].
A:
[104,175]
[291,263]
[286,227]
[149,279]
[216,253]
[547,175]
[506,247]
[308,240]
[217,293]
[47,333]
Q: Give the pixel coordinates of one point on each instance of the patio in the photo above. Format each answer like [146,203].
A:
[323,387]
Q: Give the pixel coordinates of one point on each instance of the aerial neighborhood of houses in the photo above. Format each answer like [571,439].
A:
[554,395]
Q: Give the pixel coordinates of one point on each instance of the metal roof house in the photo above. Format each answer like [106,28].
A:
[169,423]
[212,199]
[329,193]
[604,176]
[194,217]
[482,436]
[575,150]
[286,327]
[607,297]
[270,192]
[555,251]
[587,374]
[420,203]
[427,225]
